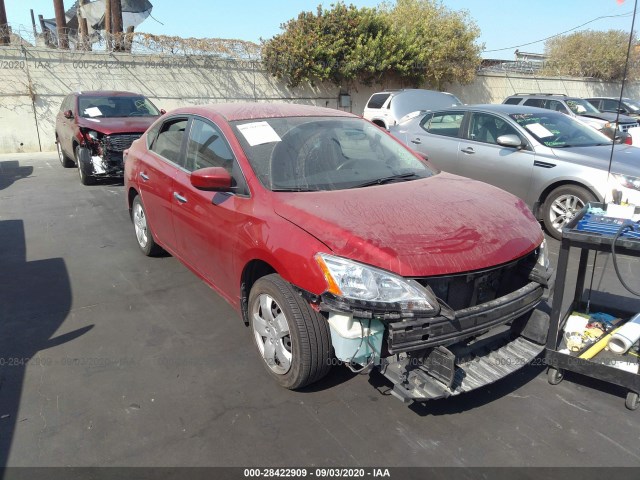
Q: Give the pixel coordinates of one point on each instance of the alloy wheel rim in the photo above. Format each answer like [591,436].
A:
[272,335]
[563,209]
[140,225]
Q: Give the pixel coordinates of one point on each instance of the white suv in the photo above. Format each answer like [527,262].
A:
[386,109]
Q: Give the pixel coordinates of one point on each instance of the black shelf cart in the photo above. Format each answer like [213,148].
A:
[559,362]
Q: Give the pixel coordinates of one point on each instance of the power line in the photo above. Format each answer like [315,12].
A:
[561,33]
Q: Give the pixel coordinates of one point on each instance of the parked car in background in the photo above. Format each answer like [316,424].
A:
[386,109]
[329,236]
[581,109]
[555,163]
[626,106]
[94,128]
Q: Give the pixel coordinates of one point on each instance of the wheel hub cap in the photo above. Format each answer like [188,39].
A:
[140,225]
[563,209]
[271,331]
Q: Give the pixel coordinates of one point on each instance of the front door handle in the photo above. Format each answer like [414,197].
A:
[179,197]
[468,150]
[144,176]
[417,141]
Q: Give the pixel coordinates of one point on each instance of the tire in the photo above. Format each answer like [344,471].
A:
[278,315]
[554,376]
[143,232]
[561,205]
[632,401]
[85,171]
[65,161]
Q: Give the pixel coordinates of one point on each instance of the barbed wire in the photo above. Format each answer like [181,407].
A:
[136,43]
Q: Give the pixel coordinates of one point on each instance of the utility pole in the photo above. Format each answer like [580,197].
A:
[5,39]
[107,24]
[33,24]
[116,24]
[61,23]
[83,27]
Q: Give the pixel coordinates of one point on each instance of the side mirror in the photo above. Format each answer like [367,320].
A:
[68,114]
[214,179]
[510,140]
[162,111]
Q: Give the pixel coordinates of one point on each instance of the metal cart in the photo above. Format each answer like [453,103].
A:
[560,362]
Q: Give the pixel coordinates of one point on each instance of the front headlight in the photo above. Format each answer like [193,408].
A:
[627,181]
[543,255]
[377,288]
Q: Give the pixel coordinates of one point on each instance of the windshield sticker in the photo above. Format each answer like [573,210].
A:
[539,130]
[92,111]
[259,133]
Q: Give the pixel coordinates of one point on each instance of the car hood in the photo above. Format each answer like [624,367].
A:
[626,159]
[444,224]
[611,117]
[113,125]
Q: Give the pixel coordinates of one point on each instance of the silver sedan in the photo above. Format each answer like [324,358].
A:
[554,163]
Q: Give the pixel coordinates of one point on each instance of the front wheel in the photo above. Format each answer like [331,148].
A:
[293,340]
[561,205]
[85,167]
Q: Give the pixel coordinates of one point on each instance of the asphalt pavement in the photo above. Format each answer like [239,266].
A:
[110,358]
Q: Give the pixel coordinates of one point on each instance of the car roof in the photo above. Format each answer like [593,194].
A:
[107,93]
[252,110]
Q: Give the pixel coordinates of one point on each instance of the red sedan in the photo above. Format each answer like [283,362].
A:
[337,244]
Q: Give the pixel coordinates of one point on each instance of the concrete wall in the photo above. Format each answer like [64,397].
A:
[33,82]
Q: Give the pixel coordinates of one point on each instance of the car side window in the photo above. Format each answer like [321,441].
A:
[513,101]
[207,148]
[609,105]
[377,100]
[535,102]
[443,123]
[557,106]
[486,128]
[168,143]
[152,134]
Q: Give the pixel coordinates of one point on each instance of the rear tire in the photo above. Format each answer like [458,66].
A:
[554,376]
[65,161]
[632,401]
[85,169]
[561,205]
[292,339]
[144,235]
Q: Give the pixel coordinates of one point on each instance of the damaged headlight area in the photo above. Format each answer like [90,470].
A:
[355,285]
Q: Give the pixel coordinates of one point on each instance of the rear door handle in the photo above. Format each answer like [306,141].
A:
[468,150]
[417,141]
[144,176]
[179,197]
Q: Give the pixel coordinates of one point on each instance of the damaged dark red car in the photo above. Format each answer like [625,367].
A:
[337,244]
[94,128]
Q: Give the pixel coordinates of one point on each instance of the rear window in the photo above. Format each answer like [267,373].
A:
[377,100]
[512,101]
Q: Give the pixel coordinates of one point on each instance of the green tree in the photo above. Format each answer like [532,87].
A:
[420,41]
[591,53]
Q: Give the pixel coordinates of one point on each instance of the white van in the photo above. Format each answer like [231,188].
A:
[388,108]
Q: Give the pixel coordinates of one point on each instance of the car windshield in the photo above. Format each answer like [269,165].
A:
[581,107]
[560,131]
[325,153]
[107,107]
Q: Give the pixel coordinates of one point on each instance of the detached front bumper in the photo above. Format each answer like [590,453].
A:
[458,351]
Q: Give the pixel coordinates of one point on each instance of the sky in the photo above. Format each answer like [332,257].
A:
[504,24]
